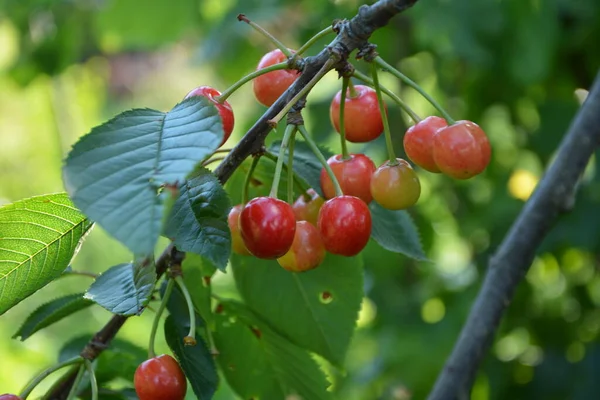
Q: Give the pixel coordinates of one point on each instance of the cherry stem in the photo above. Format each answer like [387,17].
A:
[191,337]
[299,184]
[313,39]
[326,67]
[289,130]
[413,85]
[263,31]
[212,160]
[80,273]
[290,169]
[352,89]
[73,392]
[315,149]
[405,107]
[345,83]
[248,179]
[93,381]
[230,90]
[161,308]
[45,373]
[386,124]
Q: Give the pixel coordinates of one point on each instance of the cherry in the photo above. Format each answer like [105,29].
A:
[267,226]
[353,174]
[237,243]
[8,396]
[307,250]
[345,225]
[395,186]
[418,142]
[362,119]
[461,150]
[225,110]
[160,377]
[308,210]
[270,86]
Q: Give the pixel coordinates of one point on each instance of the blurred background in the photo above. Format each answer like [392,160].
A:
[512,66]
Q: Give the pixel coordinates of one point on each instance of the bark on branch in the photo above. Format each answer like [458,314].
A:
[352,35]
[554,194]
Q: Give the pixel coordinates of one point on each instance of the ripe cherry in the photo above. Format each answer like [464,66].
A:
[160,377]
[308,209]
[268,87]
[418,142]
[267,226]
[345,225]
[237,243]
[225,110]
[307,251]
[353,174]
[461,150]
[395,186]
[8,396]
[362,119]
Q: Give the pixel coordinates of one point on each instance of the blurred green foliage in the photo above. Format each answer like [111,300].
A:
[512,66]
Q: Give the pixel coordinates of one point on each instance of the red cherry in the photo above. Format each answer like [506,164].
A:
[237,243]
[270,86]
[362,119]
[225,110]
[397,186]
[353,174]
[307,250]
[418,142]
[308,209]
[7,396]
[267,226]
[160,378]
[345,225]
[461,150]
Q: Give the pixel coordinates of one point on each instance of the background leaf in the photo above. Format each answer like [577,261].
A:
[260,364]
[198,220]
[51,312]
[114,173]
[124,289]
[38,238]
[196,361]
[395,231]
[291,303]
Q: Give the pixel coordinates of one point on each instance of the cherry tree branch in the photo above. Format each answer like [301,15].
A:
[555,194]
[351,35]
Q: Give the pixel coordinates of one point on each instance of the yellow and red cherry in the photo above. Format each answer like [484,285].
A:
[225,110]
[307,251]
[237,243]
[418,142]
[307,206]
[353,174]
[362,119]
[270,86]
[395,186]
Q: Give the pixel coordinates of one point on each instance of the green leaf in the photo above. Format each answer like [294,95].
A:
[292,304]
[198,221]
[196,361]
[395,231]
[306,164]
[177,307]
[119,360]
[51,312]
[115,172]
[38,238]
[124,289]
[197,274]
[260,364]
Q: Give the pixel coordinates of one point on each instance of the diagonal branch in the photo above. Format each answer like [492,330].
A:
[352,35]
[555,194]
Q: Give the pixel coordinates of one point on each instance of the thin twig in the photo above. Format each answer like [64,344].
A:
[507,268]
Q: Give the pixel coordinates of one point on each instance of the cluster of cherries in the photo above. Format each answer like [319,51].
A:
[299,235]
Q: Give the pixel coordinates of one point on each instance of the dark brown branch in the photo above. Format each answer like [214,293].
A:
[352,35]
[555,194]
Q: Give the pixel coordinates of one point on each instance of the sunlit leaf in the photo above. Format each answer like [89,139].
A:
[38,238]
